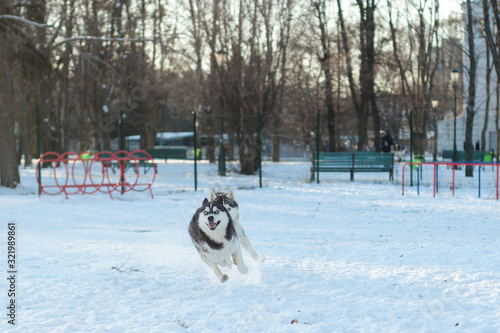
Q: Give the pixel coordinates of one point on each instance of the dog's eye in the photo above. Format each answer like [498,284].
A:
[206,213]
[229,209]
[217,212]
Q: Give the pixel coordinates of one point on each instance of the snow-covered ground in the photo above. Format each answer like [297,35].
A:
[340,257]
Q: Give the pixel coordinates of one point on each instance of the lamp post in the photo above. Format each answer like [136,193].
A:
[435,103]
[221,57]
[454,80]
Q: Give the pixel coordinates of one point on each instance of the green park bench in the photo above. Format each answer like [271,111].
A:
[168,153]
[477,155]
[356,162]
[136,165]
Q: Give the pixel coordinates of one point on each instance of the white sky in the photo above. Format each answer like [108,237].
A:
[449,6]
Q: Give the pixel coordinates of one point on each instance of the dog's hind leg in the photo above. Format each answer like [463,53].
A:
[238,259]
[245,242]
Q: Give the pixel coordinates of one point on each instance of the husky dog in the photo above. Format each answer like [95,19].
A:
[213,234]
[229,201]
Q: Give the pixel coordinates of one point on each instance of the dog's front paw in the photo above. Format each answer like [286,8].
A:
[224,278]
[258,258]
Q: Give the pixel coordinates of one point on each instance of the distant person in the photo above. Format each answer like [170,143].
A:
[477,145]
[387,142]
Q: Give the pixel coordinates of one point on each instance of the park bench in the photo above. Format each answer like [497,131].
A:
[477,155]
[136,165]
[155,153]
[356,162]
[168,153]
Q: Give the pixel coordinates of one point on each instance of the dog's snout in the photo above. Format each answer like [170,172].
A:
[210,218]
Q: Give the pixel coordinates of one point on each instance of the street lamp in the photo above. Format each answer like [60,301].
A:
[454,80]
[435,103]
[221,58]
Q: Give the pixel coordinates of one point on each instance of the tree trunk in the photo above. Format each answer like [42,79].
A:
[472,92]
[497,119]
[25,144]
[369,69]
[9,172]
[487,104]
[8,158]
[324,59]
[330,112]
[148,136]
[8,161]
[249,158]
[359,106]
[230,145]
[276,147]
[493,48]
[210,151]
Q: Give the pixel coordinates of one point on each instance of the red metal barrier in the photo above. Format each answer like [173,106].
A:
[453,165]
[88,172]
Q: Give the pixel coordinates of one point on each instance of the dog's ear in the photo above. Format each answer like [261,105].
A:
[205,202]
[230,194]
[212,196]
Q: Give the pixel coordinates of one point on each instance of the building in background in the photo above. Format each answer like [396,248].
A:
[446,126]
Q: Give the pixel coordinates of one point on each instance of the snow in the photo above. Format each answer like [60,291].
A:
[340,256]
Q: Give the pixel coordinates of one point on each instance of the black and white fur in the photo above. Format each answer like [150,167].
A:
[213,233]
[229,201]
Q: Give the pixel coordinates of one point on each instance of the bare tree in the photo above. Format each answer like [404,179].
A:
[283,49]
[254,73]
[364,105]
[417,75]
[324,57]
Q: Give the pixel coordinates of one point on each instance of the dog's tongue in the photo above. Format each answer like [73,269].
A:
[212,225]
